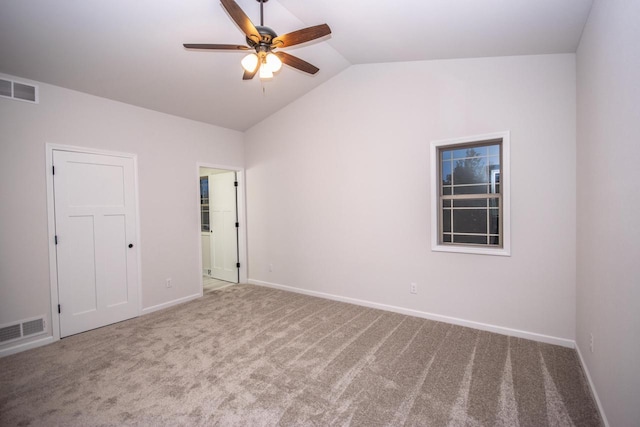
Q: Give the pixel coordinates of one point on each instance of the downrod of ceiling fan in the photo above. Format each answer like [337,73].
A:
[261,13]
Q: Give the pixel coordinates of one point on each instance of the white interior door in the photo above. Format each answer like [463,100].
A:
[224,233]
[95,215]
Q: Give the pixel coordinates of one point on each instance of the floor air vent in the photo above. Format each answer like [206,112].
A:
[20,91]
[23,329]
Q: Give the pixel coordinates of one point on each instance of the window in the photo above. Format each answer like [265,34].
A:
[470,195]
[204,203]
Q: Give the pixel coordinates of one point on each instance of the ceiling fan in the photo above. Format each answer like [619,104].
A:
[264,41]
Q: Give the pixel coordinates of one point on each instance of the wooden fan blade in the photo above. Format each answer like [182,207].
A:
[295,62]
[241,18]
[248,75]
[301,36]
[215,46]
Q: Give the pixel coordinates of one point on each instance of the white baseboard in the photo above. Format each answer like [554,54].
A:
[169,304]
[592,386]
[18,348]
[425,315]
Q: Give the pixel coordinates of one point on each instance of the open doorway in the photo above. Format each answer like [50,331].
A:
[219,228]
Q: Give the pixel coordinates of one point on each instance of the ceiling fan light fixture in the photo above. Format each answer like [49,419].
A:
[250,62]
[265,72]
[273,62]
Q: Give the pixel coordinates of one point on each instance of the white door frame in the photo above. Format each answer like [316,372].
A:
[51,226]
[242,219]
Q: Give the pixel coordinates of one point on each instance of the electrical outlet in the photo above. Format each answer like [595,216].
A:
[591,342]
[270,267]
[413,288]
[168,282]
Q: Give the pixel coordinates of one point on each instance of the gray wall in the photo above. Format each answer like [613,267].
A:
[608,206]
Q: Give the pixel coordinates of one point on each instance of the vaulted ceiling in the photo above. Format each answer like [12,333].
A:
[131,51]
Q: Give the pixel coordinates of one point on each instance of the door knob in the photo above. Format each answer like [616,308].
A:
[130,245]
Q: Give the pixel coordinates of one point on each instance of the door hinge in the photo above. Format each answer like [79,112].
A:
[53,170]
[235,184]
[59,311]
[237,224]
[55,239]
[238,264]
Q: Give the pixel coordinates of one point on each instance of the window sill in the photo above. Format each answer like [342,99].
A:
[471,250]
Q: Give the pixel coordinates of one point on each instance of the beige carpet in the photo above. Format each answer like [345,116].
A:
[210,284]
[246,355]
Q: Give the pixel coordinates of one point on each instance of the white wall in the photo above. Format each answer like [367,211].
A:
[608,241]
[168,149]
[338,189]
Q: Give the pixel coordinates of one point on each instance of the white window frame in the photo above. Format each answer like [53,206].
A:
[505,179]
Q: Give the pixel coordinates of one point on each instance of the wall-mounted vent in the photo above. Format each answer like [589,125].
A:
[22,329]
[6,88]
[10,333]
[32,327]
[19,91]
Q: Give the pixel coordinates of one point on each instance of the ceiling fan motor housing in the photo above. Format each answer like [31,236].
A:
[266,36]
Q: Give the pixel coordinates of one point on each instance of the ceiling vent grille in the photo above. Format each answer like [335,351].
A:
[22,329]
[18,91]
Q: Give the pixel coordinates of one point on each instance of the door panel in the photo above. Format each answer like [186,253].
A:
[224,234]
[217,242]
[230,247]
[108,178]
[77,263]
[94,198]
[115,253]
